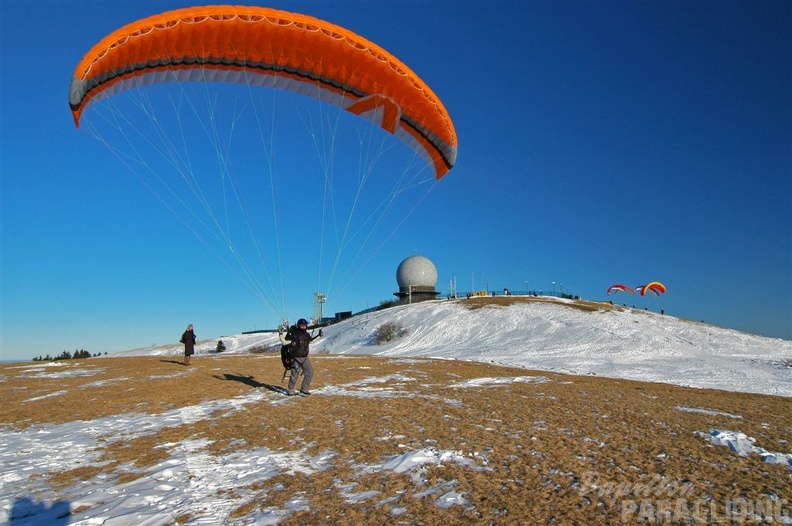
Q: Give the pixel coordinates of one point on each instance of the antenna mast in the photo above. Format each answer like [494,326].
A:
[319,299]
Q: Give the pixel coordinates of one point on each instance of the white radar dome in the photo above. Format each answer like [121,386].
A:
[416,271]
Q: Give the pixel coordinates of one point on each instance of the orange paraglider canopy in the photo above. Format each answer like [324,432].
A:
[273,48]
[655,286]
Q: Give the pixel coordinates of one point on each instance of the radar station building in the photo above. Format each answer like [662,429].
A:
[417,278]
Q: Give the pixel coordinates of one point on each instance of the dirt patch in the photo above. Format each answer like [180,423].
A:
[549,448]
[507,301]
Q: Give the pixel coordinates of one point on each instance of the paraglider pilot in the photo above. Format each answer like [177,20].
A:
[188,339]
[300,340]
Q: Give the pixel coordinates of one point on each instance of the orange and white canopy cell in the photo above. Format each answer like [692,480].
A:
[273,48]
[655,286]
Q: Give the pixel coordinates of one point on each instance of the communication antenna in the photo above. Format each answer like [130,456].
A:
[319,299]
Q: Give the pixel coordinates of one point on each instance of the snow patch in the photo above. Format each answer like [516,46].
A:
[744,445]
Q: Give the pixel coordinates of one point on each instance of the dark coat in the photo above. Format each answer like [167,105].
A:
[301,341]
[188,339]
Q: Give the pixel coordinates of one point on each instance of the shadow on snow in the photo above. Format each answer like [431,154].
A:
[26,511]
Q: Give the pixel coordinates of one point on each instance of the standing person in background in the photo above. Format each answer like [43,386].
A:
[188,339]
[300,341]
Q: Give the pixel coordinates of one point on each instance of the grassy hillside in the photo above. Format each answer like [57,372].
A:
[544,448]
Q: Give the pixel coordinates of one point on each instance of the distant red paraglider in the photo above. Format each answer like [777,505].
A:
[620,288]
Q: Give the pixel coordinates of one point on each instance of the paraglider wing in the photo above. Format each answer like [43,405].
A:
[655,286]
[268,47]
[620,288]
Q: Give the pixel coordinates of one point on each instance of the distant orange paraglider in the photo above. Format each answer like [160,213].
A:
[655,286]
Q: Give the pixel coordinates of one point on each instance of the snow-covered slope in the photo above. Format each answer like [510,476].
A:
[557,336]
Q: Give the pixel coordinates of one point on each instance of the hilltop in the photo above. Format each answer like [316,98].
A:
[551,334]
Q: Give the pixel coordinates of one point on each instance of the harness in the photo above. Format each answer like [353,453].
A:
[299,341]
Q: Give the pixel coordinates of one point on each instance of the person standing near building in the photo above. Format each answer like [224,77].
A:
[300,340]
[188,339]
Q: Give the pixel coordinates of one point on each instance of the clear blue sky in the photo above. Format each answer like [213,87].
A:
[599,143]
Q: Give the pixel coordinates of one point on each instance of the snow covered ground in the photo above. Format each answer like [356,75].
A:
[552,336]
[545,336]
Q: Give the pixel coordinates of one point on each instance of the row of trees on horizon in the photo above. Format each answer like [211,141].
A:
[66,355]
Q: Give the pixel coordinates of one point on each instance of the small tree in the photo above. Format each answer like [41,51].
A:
[65,355]
[220,346]
[389,331]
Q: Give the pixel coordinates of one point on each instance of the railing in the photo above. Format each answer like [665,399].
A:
[508,292]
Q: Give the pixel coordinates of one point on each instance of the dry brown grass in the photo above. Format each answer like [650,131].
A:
[506,301]
[539,442]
